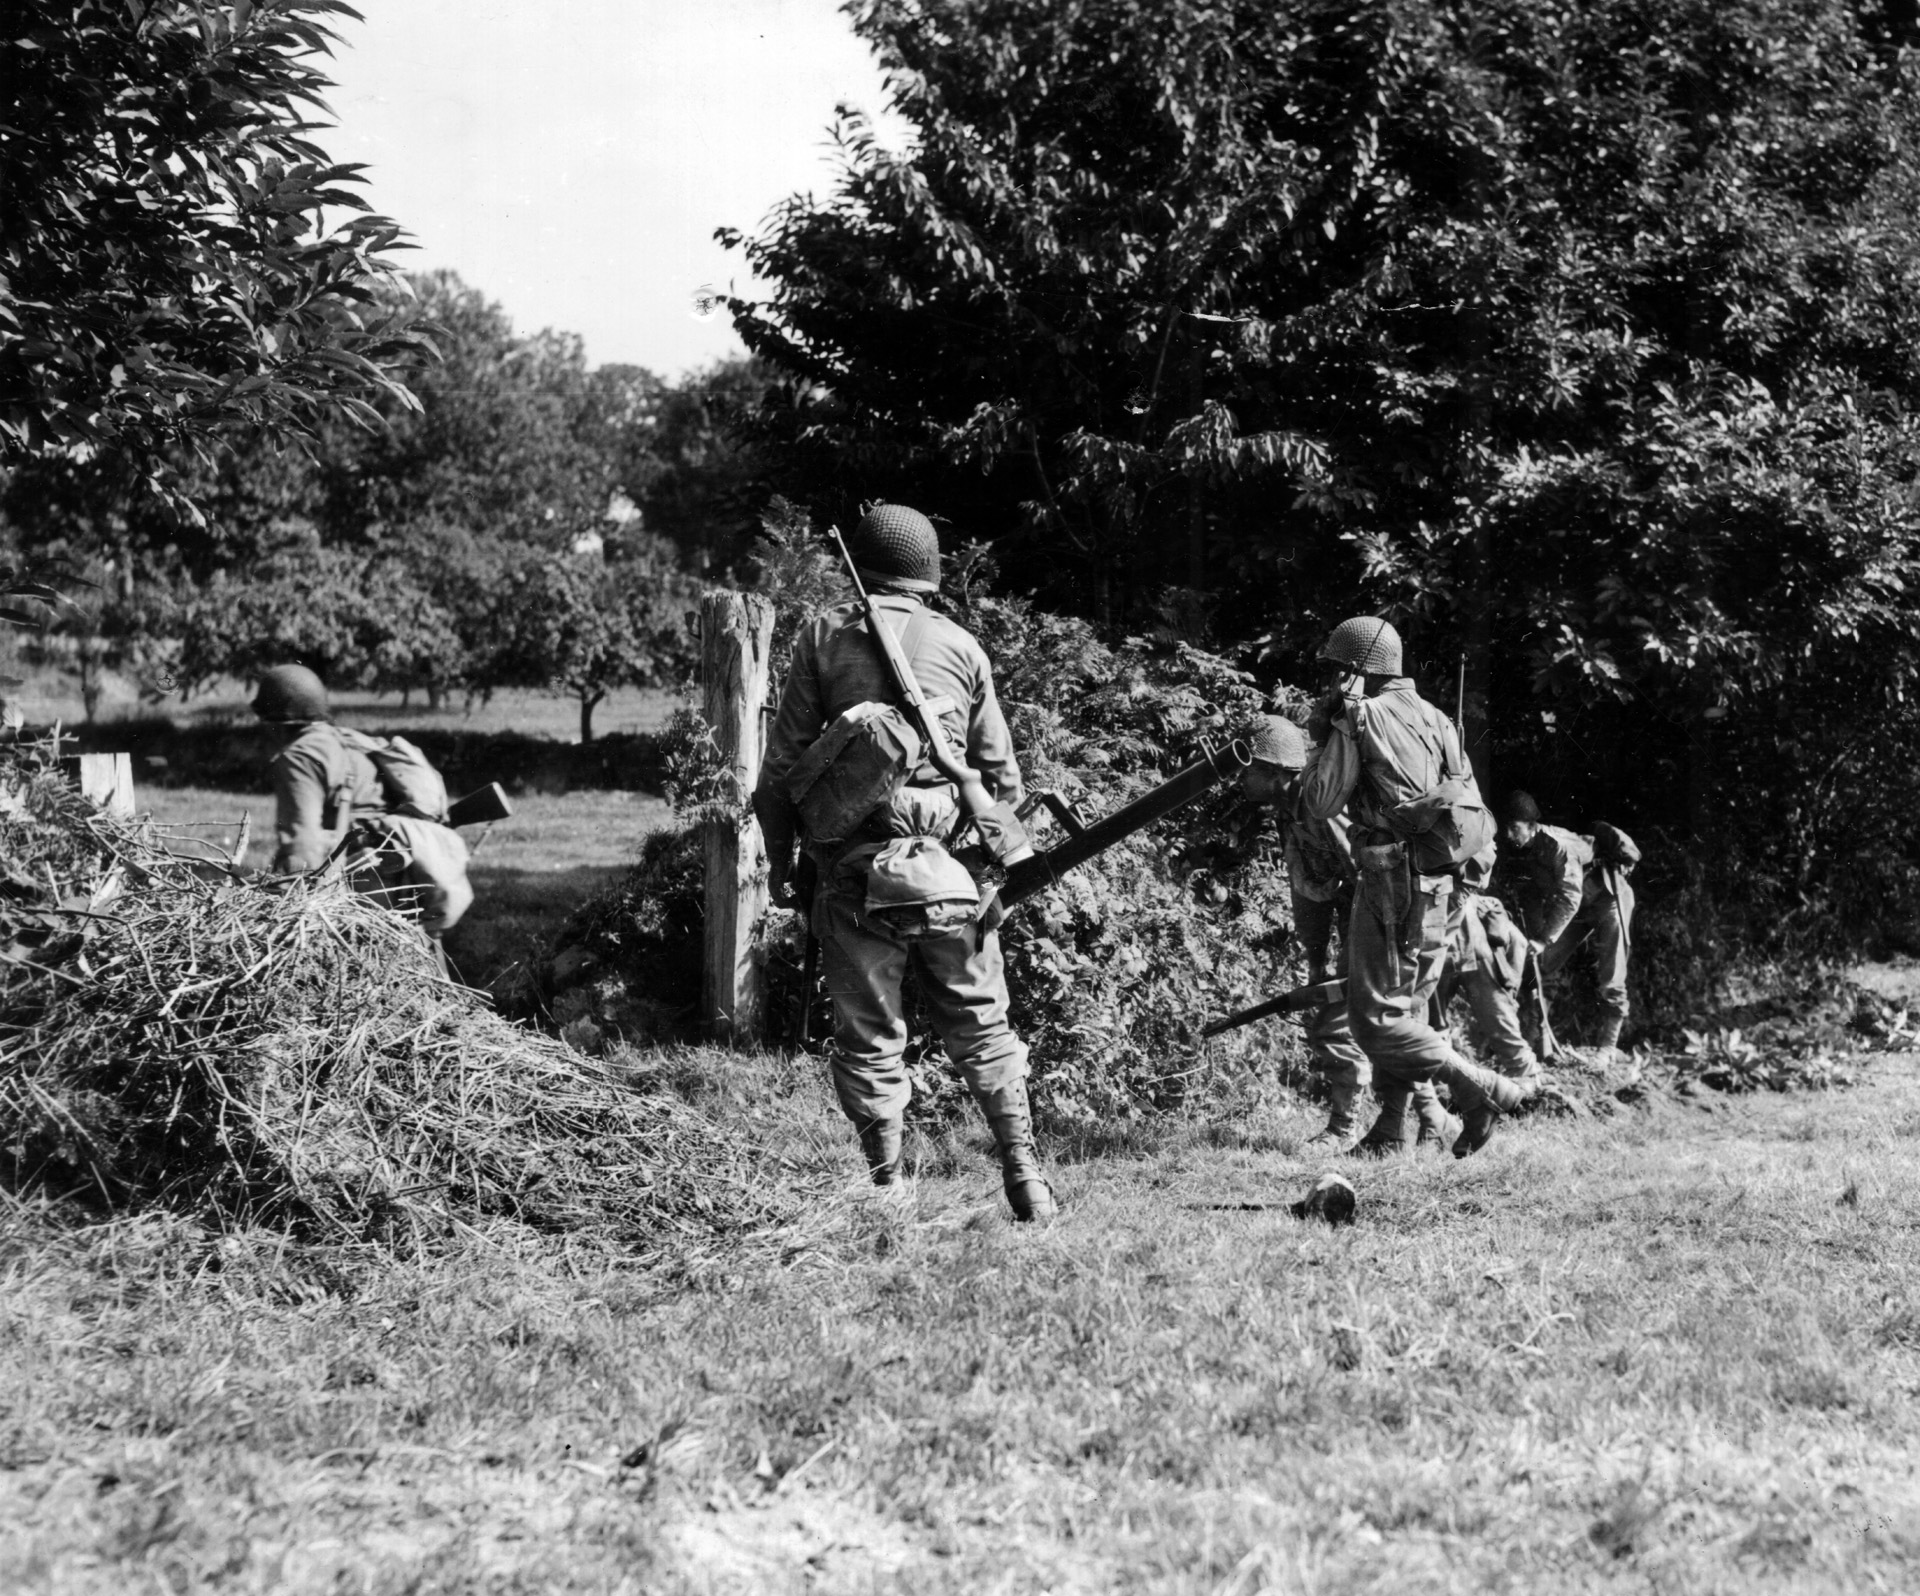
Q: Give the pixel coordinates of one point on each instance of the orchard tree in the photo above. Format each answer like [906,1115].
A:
[581,627]
[167,271]
[358,620]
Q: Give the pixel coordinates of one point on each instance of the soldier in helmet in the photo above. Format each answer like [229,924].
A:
[1320,874]
[864,954]
[325,780]
[1570,888]
[319,782]
[1394,764]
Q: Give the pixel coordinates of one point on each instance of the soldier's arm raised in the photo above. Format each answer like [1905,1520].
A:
[1333,773]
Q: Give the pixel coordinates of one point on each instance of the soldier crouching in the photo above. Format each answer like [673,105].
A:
[871,930]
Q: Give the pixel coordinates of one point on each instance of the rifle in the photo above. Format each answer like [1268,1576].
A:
[1001,833]
[1549,1048]
[1298,1001]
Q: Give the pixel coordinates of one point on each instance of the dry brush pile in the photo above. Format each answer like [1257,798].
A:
[169,1034]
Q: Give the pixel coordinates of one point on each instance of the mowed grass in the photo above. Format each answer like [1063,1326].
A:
[1676,1350]
[529,872]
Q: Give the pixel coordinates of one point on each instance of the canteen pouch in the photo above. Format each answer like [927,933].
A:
[917,890]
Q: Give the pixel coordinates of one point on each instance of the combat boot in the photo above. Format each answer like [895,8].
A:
[1011,1121]
[1608,1036]
[1482,1096]
[880,1141]
[1391,1133]
[1438,1128]
[1338,1135]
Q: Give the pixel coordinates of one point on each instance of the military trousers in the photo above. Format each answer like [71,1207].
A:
[1496,1020]
[1329,1031]
[1397,943]
[1604,920]
[962,977]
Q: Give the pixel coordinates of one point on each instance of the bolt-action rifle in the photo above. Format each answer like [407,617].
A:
[1001,835]
[1298,1001]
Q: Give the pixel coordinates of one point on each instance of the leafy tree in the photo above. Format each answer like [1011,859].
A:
[581,627]
[1579,337]
[358,620]
[709,477]
[166,271]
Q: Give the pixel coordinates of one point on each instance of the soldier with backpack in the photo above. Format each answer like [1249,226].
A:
[1571,888]
[847,776]
[1395,765]
[334,789]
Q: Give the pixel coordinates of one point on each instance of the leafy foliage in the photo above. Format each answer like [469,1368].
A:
[1578,338]
[582,627]
[166,270]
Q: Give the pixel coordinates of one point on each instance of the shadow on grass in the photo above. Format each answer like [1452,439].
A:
[517,913]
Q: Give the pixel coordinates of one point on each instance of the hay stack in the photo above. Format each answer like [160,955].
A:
[168,1034]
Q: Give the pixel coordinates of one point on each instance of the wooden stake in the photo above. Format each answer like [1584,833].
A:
[105,778]
[736,636]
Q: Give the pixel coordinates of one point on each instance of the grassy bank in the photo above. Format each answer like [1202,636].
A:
[1674,1350]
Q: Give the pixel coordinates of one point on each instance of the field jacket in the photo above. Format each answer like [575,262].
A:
[835,665]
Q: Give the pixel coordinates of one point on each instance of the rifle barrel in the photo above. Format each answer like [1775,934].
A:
[1041,870]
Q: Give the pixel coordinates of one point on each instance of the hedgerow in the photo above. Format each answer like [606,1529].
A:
[1111,971]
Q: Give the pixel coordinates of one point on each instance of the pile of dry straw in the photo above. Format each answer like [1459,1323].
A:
[169,1034]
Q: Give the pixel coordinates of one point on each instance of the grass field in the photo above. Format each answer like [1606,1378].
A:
[1674,1351]
[529,872]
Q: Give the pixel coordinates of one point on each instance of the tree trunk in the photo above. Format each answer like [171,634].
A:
[736,639]
[589,702]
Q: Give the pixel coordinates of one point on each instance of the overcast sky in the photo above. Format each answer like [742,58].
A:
[571,158]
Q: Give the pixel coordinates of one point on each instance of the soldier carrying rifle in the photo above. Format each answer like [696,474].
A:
[889,893]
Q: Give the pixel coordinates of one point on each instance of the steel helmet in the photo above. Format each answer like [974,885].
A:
[1277,741]
[898,547]
[290,694]
[1520,806]
[1365,644]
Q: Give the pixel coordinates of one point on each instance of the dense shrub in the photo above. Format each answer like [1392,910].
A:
[1113,970]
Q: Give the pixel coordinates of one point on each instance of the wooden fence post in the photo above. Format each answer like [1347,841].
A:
[105,778]
[736,634]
